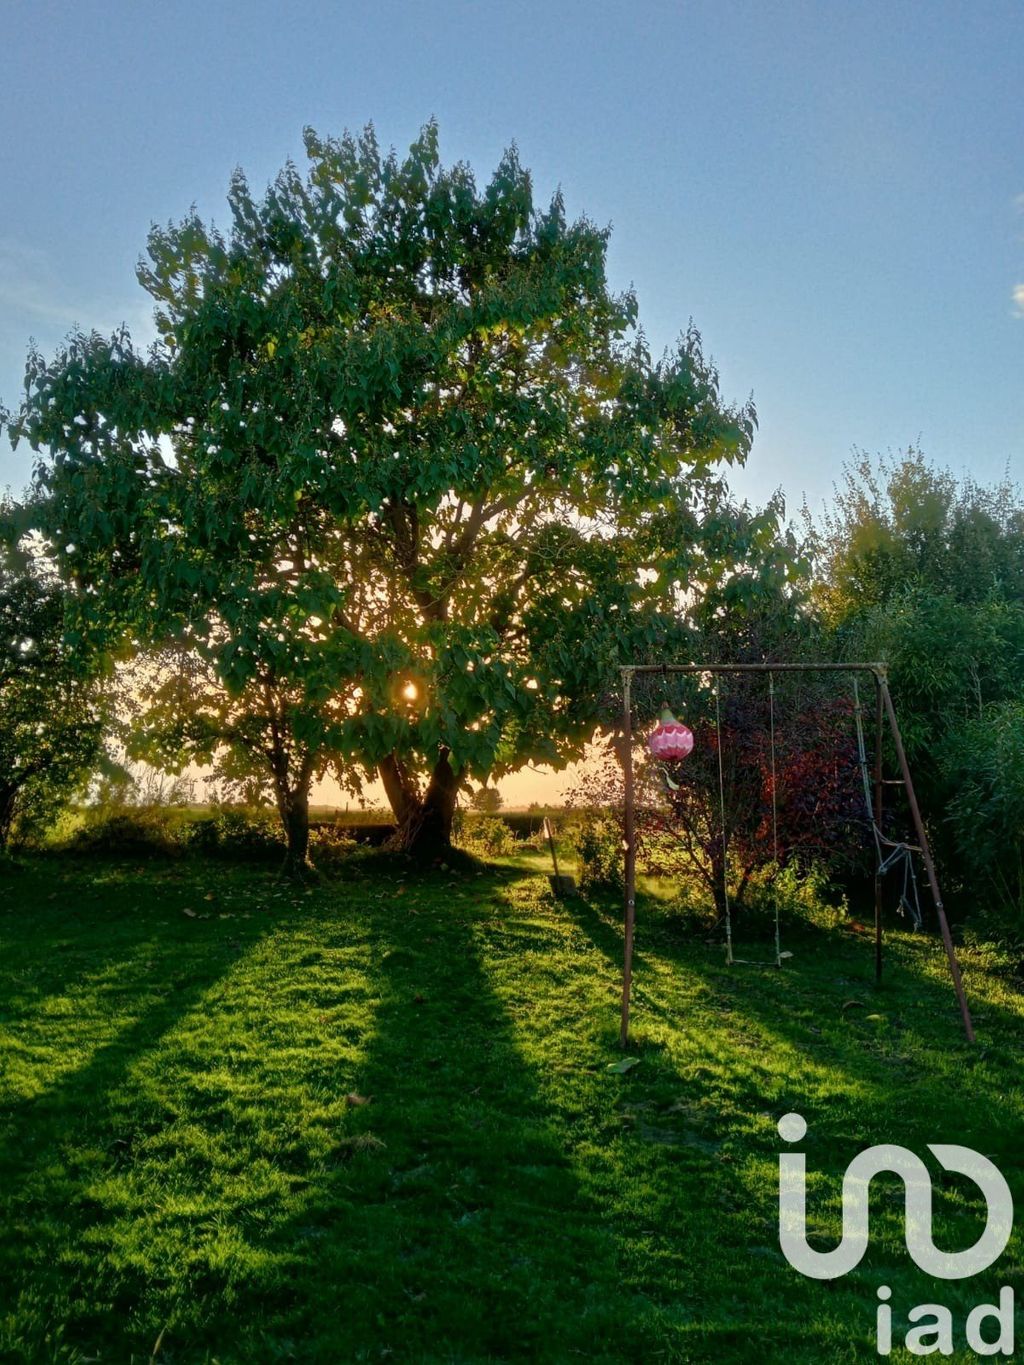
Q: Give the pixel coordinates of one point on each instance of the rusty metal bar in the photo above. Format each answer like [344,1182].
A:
[878,669]
[630,839]
[926,855]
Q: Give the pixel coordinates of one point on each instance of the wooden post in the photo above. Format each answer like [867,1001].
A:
[630,850]
[926,854]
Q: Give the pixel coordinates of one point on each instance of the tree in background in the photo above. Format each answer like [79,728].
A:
[900,525]
[399,479]
[486,800]
[251,735]
[926,572]
[818,812]
[984,769]
[53,699]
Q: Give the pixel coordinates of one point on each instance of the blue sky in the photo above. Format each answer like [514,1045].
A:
[833,191]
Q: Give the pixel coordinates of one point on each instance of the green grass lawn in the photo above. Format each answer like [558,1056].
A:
[373,1121]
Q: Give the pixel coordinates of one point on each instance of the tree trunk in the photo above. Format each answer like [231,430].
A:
[294,811]
[8,801]
[741,889]
[424,822]
[718,886]
[292,780]
[718,896]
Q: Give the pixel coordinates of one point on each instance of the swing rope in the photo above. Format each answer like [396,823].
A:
[729,958]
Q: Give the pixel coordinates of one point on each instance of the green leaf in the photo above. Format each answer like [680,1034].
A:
[623,1065]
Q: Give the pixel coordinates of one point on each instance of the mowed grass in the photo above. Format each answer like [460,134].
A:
[374,1121]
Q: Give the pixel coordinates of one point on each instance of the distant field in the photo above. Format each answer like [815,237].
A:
[373,1121]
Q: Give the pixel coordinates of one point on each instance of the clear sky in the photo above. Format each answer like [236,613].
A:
[833,191]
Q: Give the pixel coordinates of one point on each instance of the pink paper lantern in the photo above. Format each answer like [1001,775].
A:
[671,741]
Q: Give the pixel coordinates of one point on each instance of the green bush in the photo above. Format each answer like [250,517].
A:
[487,836]
[983,763]
[329,847]
[168,831]
[200,836]
[133,831]
[249,834]
[597,843]
[801,894]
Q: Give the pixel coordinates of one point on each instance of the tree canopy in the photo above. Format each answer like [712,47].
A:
[926,571]
[398,484]
[53,705]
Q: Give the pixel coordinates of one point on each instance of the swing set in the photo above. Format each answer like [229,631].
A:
[672,741]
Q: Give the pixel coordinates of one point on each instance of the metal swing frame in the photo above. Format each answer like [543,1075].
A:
[885,713]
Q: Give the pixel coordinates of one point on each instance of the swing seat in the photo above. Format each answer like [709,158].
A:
[758,961]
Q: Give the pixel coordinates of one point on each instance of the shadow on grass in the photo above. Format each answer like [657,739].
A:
[449,1224]
[726,1051]
[110,987]
[468,1201]
[824,1006]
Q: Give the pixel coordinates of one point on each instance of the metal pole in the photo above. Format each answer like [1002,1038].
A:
[878,825]
[630,839]
[926,855]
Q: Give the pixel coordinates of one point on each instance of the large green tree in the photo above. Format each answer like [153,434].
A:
[399,476]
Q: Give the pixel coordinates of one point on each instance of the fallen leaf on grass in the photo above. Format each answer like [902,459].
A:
[191,913]
[355,1099]
[623,1065]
